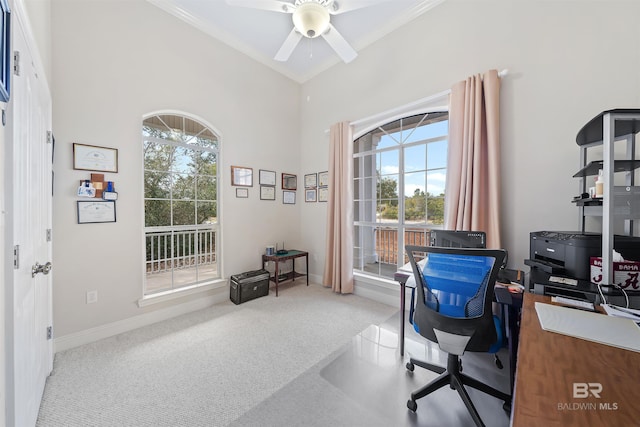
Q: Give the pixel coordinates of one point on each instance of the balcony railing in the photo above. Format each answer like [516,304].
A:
[190,252]
[387,242]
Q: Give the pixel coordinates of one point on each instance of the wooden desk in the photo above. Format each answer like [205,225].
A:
[548,366]
[291,254]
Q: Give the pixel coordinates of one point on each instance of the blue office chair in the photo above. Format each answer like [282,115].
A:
[453,309]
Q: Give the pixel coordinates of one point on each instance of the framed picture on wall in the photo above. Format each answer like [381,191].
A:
[289,181]
[94,158]
[323,179]
[267,177]
[289,197]
[310,195]
[310,180]
[267,192]
[323,194]
[241,176]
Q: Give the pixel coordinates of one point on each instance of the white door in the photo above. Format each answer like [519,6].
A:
[29,200]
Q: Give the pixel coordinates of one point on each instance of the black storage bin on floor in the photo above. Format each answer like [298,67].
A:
[249,285]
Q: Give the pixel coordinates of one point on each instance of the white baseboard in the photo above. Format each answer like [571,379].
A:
[104,331]
[381,290]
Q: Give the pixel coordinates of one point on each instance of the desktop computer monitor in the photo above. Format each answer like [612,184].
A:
[459,239]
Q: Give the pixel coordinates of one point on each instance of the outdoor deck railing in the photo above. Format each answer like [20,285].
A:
[387,242]
[177,249]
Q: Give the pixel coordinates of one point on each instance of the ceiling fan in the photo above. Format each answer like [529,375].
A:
[311,18]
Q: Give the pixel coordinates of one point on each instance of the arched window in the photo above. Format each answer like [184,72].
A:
[399,181]
[180,203]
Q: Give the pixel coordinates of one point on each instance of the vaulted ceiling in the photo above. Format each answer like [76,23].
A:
[260,33]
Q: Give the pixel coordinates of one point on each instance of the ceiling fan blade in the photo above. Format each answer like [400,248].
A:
[340,6]
[339,44]
[287,47]
[272,5]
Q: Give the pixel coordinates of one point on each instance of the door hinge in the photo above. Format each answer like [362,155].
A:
[16,257]
[49,332]
[16,62]
[49,137]
[48,234]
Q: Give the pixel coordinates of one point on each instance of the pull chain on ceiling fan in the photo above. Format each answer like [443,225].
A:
[311,19]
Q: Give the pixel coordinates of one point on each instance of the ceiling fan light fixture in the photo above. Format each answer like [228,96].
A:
[311,19]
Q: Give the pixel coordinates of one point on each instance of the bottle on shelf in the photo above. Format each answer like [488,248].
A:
[599,184]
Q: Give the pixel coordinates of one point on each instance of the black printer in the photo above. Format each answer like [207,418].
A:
[567,253]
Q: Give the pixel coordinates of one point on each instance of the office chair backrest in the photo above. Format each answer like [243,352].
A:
[455,292]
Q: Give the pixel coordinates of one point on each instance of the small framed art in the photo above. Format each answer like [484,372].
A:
[310,195]
[242,193]
[311,180]
[289,197]
[267,177]
[93,158]
[289,181]
[323,179]
[267,192]
[91,212]
[241,176]
[323,194]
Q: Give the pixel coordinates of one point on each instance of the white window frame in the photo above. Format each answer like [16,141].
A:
[200,286]
[432,104]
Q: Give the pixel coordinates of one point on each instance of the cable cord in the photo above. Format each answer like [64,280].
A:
[604,300]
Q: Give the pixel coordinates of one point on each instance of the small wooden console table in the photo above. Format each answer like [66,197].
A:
[290,255]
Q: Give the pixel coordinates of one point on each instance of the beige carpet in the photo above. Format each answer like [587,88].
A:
[206,368]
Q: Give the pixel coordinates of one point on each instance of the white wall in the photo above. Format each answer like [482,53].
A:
[113,63]
[568,61]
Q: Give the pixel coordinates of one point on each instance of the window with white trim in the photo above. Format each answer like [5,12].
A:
[399,181]
[180,203]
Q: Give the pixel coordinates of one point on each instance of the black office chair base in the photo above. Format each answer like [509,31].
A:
[453,377]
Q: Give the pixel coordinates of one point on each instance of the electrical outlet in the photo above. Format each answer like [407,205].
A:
[92,296]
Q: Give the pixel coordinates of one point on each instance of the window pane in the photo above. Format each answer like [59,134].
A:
[157,213]
[435,210]
[156,185]
[207,213]
[206,188]
[415,207]
[183,160]
[184,213]
[415,183]
[437,155]
[388,162]
[157,157]
[415,158]
[183,187]
[436,181]
[388,188]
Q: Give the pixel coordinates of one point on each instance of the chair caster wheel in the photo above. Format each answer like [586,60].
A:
[499,363]
[410,368]
[412,405]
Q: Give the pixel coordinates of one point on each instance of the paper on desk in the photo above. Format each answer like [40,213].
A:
[628,313]
[609,330]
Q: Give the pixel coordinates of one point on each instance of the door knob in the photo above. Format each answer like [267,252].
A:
[44,269]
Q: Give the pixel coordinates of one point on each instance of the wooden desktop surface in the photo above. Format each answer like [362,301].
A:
[548,366]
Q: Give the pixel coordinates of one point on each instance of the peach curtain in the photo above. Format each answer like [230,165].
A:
[473,163]
[338,267]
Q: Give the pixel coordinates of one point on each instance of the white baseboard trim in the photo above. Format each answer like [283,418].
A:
[381,290]
[104,331]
